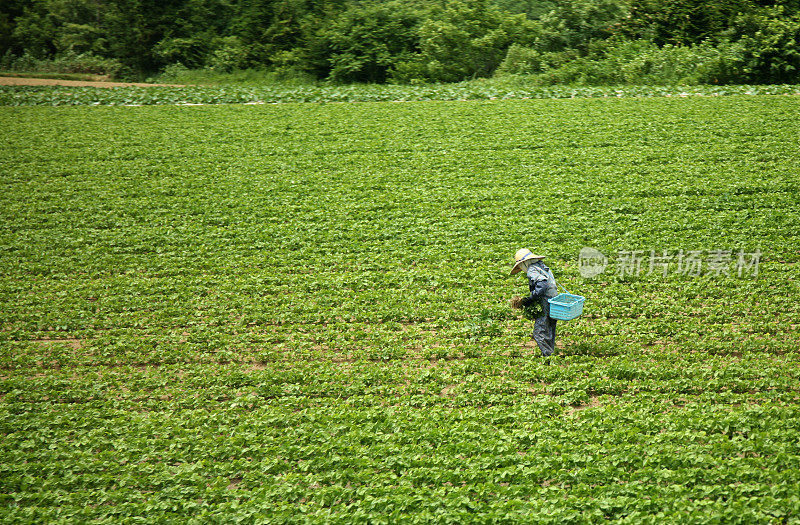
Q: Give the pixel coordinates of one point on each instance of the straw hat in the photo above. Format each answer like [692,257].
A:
[522,255]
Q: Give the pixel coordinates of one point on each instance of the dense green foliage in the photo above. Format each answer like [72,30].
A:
[298,313]
[493,89]
[579,41]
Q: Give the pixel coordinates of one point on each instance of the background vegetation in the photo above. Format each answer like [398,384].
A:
[377,41]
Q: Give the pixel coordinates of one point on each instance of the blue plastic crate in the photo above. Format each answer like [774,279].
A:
[566,306]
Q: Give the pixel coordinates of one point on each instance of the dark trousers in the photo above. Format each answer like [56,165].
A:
[544,330]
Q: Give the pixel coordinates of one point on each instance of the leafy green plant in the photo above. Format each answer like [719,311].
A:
[297,312]
[251,90]
[68,62]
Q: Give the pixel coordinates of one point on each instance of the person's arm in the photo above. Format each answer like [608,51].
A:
[537,288]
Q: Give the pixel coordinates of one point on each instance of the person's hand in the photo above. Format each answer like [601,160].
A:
[516,302]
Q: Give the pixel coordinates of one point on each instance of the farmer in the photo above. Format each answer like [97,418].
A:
[542,285]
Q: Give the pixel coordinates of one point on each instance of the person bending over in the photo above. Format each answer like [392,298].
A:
[542,285]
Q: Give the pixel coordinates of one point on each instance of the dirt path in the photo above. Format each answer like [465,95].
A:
[19,81]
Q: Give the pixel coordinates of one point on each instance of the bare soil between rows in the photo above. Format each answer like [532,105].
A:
[20,81]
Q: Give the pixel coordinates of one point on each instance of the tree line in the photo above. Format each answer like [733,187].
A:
[565,41]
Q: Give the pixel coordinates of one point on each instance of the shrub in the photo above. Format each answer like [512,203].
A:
[179,74]
[632,62]
[364,42]
[7,60]
[464,39]
[520,60]
[229,54]
[173,73]
[640,62]
[69,62]
[527,60]
[769,41]
[189,51]
[575,24]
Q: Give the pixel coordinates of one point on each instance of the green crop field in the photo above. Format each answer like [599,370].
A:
[298,313]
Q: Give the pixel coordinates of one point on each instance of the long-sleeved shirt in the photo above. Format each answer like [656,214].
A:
[541,282]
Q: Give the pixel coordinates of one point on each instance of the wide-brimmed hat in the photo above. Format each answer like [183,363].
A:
[522,255]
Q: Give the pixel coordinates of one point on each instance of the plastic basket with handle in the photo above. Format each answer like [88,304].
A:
[566,306]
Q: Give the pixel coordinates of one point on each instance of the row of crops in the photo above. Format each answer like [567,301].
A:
[77,96]
[298,313]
